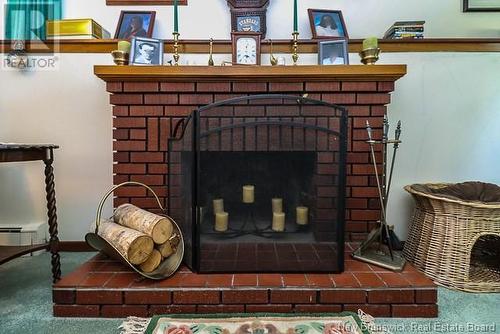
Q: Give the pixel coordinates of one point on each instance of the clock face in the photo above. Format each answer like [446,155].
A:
[246,51]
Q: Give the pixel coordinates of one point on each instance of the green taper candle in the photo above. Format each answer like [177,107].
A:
[295,17]
[370,43]
[176,17]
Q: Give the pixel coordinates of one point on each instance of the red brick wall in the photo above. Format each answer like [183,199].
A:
[145,113]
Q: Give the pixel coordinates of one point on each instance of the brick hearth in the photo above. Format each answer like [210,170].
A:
[146,111]
[105,288]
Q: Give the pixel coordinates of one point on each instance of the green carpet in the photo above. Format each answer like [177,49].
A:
[26,304]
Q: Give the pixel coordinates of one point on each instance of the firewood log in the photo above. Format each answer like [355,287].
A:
[152,262]
[166,249]
[135,246]
[158,227]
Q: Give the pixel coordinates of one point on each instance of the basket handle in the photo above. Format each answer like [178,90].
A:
[105,197]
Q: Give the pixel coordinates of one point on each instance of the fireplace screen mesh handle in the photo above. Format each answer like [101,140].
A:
[258,184]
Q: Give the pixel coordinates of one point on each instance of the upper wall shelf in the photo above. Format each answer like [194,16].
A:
[280,46]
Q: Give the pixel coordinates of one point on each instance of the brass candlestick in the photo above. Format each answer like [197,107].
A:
[369,56]
[211,52]
[295,47]
[176,48]
[272,58]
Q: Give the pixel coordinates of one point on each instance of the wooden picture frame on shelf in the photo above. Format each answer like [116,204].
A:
[478,6]
[127,17]
[246,48]
[327,23]
[144,2]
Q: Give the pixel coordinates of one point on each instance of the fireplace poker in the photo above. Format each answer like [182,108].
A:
[372,142]
[397,135]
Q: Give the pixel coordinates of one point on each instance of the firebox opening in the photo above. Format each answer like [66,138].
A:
[280,175]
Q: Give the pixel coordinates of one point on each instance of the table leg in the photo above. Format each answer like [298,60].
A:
[52,215]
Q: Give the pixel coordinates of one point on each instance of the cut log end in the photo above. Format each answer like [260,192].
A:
[152,262]
[140,249]
[162,231]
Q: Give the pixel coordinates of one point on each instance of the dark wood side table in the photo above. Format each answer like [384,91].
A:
[20,152]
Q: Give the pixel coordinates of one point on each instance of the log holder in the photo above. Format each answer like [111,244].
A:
[167,268]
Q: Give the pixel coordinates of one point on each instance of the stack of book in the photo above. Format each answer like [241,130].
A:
[406,29]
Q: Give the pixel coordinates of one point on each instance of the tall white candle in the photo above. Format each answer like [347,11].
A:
[218,205]
[221,221]
[248,194]
[302,215]
[277,204]
[278,222]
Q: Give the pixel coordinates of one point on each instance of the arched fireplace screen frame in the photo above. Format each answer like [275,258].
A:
[189,135]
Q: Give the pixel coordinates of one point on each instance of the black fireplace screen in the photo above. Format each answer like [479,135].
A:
[257,184]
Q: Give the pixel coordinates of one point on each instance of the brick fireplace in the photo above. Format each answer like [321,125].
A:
[148,102]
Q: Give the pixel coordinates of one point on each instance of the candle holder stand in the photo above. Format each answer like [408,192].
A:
[249,219]
[176,48]
[295,47]
[370,56]
[211,53]
[120,58]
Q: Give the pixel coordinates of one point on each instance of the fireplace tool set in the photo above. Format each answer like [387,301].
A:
[382,247]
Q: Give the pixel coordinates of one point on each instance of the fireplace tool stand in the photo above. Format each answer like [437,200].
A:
[374,250]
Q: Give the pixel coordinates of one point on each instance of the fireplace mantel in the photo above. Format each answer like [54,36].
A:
[254,73]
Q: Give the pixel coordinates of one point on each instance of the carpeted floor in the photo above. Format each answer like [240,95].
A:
[26,305]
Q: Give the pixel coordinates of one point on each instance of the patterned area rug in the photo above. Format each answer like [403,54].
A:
[332,323]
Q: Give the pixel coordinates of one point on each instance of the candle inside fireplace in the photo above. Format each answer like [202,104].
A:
[302,215]
[218,205]
[221,221]
[278,222]
[277,205]
[248,194]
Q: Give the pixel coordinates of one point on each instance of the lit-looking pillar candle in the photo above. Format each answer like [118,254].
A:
[221,221]
[278,222]
[218,205]
[277,205]
[248,194]
[302,215]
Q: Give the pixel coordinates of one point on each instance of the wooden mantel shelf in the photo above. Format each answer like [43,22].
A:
[280,46]
[255,73]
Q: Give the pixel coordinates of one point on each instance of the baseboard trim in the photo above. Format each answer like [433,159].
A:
[74,246]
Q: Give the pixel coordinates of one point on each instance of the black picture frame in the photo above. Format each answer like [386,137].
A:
[324,46]
[337,17]
[135,49]
[469,7]
[147,28]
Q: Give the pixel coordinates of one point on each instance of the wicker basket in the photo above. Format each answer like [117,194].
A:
[447,237]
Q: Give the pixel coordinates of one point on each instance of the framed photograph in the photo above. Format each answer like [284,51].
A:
[246,48]
[135,24]
[327,24]
[481,5]
[333,52]
[146,51]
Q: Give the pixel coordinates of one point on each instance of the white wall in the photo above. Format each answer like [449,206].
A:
[448,102]
[202,19]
